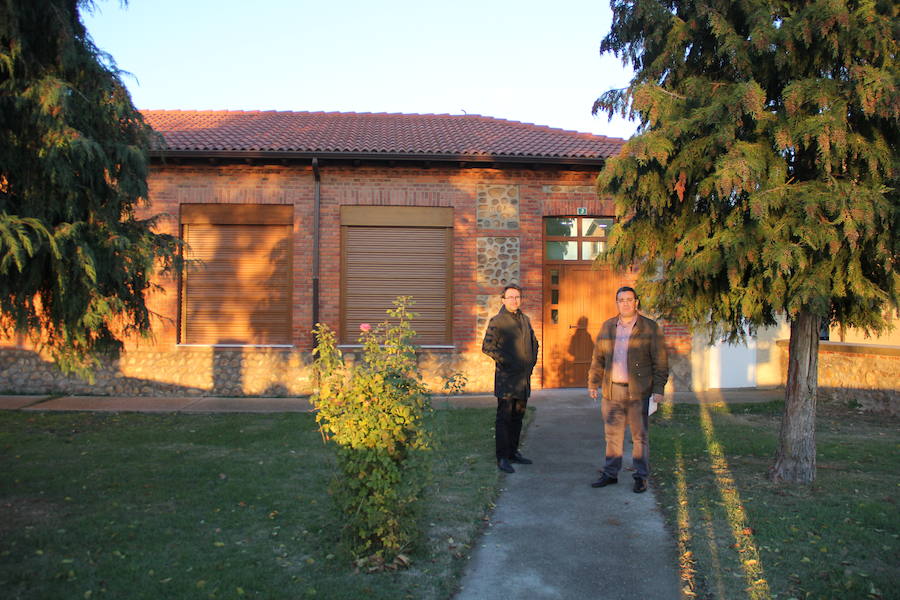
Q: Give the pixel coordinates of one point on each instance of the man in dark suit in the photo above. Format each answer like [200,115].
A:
[511,342]
[631,368]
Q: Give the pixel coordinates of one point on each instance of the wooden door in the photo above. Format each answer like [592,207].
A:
[578,298]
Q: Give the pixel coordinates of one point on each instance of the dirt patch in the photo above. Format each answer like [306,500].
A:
[764,419]
[19,513]
[836,420]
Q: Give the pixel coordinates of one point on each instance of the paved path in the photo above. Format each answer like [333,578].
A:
[552,536]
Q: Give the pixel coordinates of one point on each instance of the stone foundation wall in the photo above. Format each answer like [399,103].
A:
[213,372]
[680,375]
[862,375]
[238,372]
[182,372]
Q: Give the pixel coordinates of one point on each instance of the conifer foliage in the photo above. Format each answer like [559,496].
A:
[75,261]
[763,177]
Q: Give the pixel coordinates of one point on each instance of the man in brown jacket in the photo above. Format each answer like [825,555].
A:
[631,367]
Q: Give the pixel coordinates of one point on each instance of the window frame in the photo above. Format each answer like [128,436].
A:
[579,238]
[396,217]
[281,215]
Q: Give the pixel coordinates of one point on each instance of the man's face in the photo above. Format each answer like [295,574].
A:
[512,300]
[627,304]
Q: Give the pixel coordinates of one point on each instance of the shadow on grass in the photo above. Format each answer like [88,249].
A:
[742,536]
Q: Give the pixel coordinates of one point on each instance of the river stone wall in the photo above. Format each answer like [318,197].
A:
[860,375]
[497,261]
[498,207]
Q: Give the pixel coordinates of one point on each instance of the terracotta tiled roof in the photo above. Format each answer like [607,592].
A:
[373,135]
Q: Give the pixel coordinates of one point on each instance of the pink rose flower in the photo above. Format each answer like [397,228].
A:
[365,327]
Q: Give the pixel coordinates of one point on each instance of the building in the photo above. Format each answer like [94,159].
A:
[294,218]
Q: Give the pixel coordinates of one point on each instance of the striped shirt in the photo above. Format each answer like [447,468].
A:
[620,351]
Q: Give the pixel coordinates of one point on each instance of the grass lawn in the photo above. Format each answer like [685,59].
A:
[742,536]
[157,506]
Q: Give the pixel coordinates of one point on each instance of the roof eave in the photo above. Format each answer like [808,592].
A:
[374,156]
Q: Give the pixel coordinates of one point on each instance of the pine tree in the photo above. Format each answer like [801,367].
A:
[762,181]
[75,261]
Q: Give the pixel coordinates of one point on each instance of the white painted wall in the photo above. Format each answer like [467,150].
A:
[856,336]
[758,364]
[722,365]
[768,354]
[732,365]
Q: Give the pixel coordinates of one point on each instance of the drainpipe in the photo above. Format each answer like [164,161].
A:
[315,250]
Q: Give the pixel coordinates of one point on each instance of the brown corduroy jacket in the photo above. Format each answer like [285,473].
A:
[648,363]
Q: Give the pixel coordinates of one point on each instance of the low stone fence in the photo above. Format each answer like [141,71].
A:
[209,371]
[862,375]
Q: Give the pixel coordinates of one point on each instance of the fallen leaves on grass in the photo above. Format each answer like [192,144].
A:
[376,564]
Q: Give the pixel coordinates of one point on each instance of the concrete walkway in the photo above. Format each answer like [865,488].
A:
[551,535]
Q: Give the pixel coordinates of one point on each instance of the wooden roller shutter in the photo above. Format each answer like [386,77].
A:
[237,285]
[381,263]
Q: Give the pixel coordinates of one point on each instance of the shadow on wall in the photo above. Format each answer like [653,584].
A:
[26,372]
[211,371]
[861,376]
[238,312]
[184,372]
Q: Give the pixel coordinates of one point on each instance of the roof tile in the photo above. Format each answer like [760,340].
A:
[383,134]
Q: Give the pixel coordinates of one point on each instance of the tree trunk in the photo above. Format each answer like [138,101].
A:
[795,460]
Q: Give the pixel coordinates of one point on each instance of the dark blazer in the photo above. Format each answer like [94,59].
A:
[648,363]
[513,346]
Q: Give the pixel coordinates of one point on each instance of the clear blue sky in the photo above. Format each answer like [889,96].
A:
[535,61]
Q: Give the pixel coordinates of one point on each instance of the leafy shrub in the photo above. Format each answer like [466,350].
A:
[375,411]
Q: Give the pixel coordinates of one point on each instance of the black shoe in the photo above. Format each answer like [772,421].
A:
[604,481]
[519,459]
[503,465]
[640,485]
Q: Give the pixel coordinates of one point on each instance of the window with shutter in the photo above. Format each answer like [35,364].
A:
[236,288]
[397,251]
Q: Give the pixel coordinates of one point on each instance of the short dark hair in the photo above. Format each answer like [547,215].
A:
[511,286]
[626,288]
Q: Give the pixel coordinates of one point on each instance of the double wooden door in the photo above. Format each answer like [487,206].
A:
[577,300]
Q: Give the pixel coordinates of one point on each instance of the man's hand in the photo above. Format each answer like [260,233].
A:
[594,392]
[657,398]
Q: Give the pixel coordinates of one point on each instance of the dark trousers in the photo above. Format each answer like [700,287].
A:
[508,426]
[617,411]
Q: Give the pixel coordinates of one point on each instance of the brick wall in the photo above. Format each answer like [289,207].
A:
[540,192]
[172,186]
